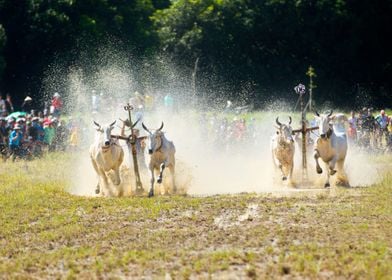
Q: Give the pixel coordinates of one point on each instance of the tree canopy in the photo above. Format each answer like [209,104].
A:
[258,49]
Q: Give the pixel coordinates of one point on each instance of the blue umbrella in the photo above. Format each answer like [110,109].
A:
[16,115]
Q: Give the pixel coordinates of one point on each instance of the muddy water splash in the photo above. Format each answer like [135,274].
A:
[205,166]
[206,163]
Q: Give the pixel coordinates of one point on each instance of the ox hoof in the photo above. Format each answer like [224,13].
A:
[319,170]
[332,172]
[284,178]
[151,194]
[159,181]
[327,185]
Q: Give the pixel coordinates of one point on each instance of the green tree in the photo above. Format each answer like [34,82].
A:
[2,44]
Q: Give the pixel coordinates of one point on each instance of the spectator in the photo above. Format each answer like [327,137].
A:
[168,101]
[15,141]
[49,134]
[74,138]
[382,126]
[27,104]
[4,132]
[57,105]
[8,104]
[3,107]
[61,136]
[352,129]
[95,101]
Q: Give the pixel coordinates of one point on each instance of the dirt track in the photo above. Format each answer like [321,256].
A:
[46,232]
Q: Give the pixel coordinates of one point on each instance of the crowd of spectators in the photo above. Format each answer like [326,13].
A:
[368,130]
[29,133]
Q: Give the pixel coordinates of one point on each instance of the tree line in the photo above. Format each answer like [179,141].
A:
[253,49]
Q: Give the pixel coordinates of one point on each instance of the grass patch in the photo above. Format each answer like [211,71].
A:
[45,232]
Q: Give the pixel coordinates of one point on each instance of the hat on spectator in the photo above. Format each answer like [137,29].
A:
[20,120]
[35,119]
[3,119]
[47,122]
[28,98]
[17,126]
[11,120]
[56,94]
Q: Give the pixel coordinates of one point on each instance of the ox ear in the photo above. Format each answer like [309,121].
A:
[113,123]
[145,128]
[290,120]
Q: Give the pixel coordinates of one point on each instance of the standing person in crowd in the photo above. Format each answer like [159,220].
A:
[389,137]
[15,142]
[61,136]
[56,105]
[49,134]
[4,132]
[352,129]
[168,101]
[27,104]
[3,107]
[95,101]
[382,127]
[74,140]
[8,104]
[367,127]
[36,134]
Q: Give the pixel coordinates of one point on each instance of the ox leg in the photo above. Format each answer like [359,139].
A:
[284,178]
[316,156]
[117,179]
[162,168]
[342,179]
[97,188]
[332,170]
[172,171]
[327,184]
[291,172]
[151,192]
[105,180]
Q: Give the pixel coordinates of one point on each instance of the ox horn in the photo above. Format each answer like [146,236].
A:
[145,128]
[290,120]
[97,124]
[330,113]
[135,123]
[159,129]
[277,121]
[112,123]
[317,114]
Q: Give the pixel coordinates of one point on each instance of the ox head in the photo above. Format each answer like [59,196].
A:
[324,123]
[155,139]
[284,131]
[106,132]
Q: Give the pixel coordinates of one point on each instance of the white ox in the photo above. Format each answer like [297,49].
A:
[331,147]
[106,155]
[282,145]
[162,153]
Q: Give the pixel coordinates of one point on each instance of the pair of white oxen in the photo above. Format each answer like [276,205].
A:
[330,146]
[107,155]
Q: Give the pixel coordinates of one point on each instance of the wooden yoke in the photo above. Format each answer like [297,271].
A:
[132,140]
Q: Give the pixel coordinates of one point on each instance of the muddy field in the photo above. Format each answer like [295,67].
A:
[47,232]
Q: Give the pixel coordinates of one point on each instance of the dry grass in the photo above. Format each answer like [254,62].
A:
[47,233]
